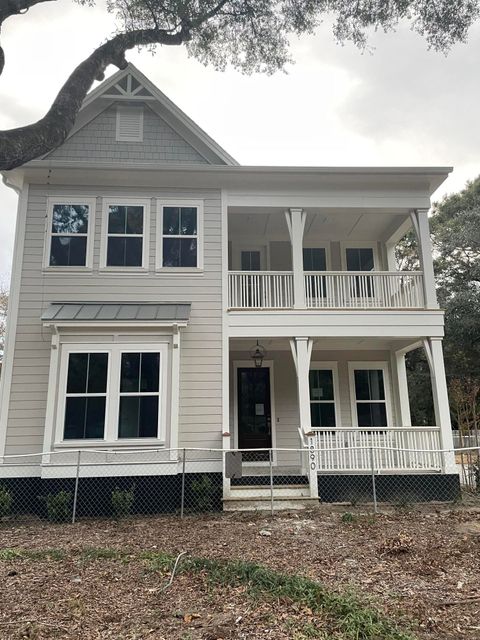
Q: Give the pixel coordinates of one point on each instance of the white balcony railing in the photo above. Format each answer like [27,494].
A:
[327,290]
[364,290]
[260,289]
[392,449]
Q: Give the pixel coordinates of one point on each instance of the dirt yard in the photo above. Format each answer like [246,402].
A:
[420,568]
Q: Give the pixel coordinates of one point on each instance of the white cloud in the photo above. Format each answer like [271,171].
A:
[402,105]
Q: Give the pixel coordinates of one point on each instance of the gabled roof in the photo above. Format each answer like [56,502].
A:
[131,85]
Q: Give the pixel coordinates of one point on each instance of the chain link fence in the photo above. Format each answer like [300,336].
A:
[69,485]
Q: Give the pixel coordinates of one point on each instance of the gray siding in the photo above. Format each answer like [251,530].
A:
[200,376]
[96,141]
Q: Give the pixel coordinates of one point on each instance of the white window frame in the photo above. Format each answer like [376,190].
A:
[123,109]
[311,244]
[360,245]
[91,202]
[317,365]
[126,202]
[359,366]
[161,204]
[112,404]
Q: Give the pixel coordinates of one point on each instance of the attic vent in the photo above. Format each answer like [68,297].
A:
[129,124]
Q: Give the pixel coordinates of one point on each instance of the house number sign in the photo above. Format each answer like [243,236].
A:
[312,456]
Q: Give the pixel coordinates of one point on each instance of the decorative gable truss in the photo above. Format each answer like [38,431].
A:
[128,108]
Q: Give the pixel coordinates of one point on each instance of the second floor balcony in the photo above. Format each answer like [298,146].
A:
[315,260]
[327,290]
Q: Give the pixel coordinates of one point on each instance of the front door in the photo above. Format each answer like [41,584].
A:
[254,412]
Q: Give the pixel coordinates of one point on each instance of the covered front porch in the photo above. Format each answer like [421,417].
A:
[302,407]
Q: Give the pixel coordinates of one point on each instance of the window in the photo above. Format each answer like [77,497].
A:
[179,241]
[114,394]
[361,259]
[139,392]
[322,398]
[69,227]
[125,235]
[314,259]
[250,260]
[369,389]
[86,396]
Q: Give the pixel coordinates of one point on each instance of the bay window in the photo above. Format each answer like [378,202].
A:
[116,393]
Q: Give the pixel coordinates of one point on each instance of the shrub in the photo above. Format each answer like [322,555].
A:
[59,506]
[122,501]
[6,501]
[202,494]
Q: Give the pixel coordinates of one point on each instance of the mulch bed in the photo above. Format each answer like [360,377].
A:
[423,566]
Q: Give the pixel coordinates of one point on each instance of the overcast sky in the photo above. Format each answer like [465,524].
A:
[400,105]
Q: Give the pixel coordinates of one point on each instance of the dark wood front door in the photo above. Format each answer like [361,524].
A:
[254,411]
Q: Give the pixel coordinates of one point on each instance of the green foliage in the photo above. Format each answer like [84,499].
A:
[122,501]
[348,518]
[59,506]
[203,493]
[254,35]
[6,502]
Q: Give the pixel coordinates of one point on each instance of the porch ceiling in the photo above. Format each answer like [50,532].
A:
[326,344]
[327,224]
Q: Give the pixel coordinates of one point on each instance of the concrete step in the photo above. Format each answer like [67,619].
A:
[279,491]
[262,504]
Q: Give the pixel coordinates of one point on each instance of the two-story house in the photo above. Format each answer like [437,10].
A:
[164,297]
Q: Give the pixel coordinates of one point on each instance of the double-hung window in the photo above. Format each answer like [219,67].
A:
[70,226]
[125,236]
[322,396]
[179,244]
[315,259]
[369,395]
[86,396]
[139,395]
[117,393]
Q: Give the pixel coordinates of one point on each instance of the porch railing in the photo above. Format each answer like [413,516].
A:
[364,290]
[392,449]
[327,290]
[260,289]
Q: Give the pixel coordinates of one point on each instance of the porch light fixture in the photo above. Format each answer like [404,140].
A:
[257,354]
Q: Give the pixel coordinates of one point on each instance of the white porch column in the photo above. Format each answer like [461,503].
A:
[302,353]
[296,225]
[434,353]
[398,362]
[422,229]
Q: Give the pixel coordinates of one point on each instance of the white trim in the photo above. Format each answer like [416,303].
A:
[332,366]
[226,435]
[180,202]
[247,364]
[360,366]
[91,203]
[129,110]
[12,315]
[344,245]
[114,350]
[175,389]
[126,202]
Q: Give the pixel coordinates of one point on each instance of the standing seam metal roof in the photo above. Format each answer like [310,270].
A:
[117,312]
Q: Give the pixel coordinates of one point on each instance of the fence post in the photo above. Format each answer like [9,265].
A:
[75,494]
[271,481]
[374,486]
[182,502]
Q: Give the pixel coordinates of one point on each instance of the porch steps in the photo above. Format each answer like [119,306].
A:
[258,498]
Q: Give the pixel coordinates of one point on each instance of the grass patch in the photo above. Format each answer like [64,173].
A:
[346,614]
